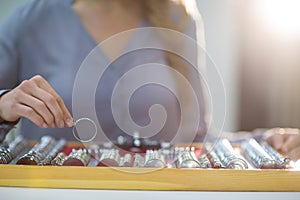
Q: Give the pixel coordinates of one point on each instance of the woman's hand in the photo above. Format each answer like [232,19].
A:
[36,100]
[286,141]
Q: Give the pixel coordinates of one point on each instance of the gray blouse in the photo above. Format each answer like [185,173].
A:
[46,37]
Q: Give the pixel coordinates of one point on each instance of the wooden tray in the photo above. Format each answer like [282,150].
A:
[148,179]
[162,179]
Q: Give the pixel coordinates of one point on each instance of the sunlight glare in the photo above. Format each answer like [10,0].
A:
[282,15]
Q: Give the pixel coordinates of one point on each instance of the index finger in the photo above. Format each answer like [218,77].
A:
[276,141]
[43,84]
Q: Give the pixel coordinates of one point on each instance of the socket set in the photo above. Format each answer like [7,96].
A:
[140,153]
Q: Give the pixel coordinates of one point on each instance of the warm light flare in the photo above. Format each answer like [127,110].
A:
[281,15]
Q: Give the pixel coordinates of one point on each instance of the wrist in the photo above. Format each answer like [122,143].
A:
[2,121]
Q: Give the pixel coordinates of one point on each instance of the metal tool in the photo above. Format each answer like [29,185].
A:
[154,159]
[281,161]
[228,156]
[257,155]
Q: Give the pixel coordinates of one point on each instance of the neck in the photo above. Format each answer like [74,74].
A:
[112,7]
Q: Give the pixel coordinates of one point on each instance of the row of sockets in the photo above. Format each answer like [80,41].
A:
[220,154]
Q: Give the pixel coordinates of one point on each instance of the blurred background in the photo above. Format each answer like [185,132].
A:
[256,47]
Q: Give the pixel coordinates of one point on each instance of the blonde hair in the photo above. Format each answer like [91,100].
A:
[157,13]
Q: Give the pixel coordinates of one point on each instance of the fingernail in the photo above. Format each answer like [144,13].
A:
[45,125]
[70,122]
[61,124]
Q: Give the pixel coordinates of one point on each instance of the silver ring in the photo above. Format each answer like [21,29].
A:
[77,122]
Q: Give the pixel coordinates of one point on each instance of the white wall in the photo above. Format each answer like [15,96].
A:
[221,44]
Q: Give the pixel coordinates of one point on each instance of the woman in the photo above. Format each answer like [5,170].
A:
[43,43]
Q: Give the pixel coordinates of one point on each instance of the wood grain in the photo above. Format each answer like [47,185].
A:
[139,179]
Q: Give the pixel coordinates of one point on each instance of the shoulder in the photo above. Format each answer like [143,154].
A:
[31,16]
